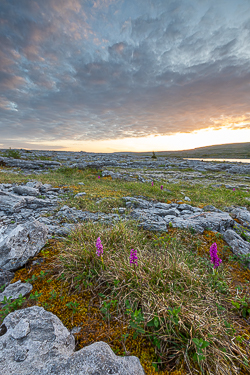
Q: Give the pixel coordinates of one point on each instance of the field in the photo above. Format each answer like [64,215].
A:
[168,307]
[238,150]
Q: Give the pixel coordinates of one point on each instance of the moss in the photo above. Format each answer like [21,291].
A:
[56,294]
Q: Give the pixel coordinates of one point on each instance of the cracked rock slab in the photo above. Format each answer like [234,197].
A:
[243,215]
[219,222]
[14,290]
[29,164]
[20,242]
[25,190]
[237,244]
[6,277]
[34,341]
[11,203]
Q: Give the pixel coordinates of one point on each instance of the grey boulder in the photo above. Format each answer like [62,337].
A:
[34,341]
[243,215]
[34,202]
[25,190]
[219,222]
[211,208]
[6,277]
[11,203]
[20,242]
[34,184]
[114,175]
[45,187]
[80,194]
[14,290]
[237,244]
[29,164]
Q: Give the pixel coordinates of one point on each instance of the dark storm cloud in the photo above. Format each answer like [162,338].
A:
[112,68]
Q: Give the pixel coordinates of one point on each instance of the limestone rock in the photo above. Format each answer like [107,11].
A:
[14,290]
[20,242]
[163,206]
[172,212]
[25,190]
[29,164]
[211,208]
[34,184]
[138,202]
[245,234]
[219,222]
[81,166]
[243,215]
[185,206]
[34,341]
[33,202]
[45,188]
[237,244]
[6,277]
[114,175]
[80,194]
[10,202]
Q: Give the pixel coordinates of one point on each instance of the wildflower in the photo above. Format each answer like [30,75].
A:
[99,247]
[214,257]
[133,257]
[161,187]
[99,177]
[233,189]
[152,183]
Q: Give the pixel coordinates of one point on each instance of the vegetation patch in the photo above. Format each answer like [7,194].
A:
[12,154]
[98,188]
[162,302]
[168,306]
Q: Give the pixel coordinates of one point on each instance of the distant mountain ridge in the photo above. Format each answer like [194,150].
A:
[229,151]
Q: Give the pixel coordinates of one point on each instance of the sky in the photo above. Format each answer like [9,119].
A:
[124,75]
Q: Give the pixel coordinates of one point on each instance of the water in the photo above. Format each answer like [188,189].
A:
[227,160]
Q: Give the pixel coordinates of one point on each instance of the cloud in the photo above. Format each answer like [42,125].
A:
[93,70]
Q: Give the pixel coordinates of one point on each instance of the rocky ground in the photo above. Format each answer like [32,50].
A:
[34,212]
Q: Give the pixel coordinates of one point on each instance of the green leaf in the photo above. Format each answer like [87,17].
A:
[234,303]
[151,323]
[101,295]
[205,344]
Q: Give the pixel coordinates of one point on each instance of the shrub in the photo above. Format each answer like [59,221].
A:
[13,154]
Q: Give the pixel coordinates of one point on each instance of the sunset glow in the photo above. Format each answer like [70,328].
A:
[178,141]
[124,75]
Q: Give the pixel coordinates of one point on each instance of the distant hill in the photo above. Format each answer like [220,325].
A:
[229,151]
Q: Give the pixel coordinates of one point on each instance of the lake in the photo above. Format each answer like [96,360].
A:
[221,160]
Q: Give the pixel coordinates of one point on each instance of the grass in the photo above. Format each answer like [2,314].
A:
[32,157]
[230,151]
[12,154]
[171,310]
[106,188]
[172,298]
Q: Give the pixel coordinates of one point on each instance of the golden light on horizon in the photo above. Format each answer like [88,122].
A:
[178,141]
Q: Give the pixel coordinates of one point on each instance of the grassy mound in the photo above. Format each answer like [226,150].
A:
[170,308]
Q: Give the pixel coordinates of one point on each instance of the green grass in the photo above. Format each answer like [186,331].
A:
[33,157]
[12,154]
[230,151]
[171,297]
[114,190]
